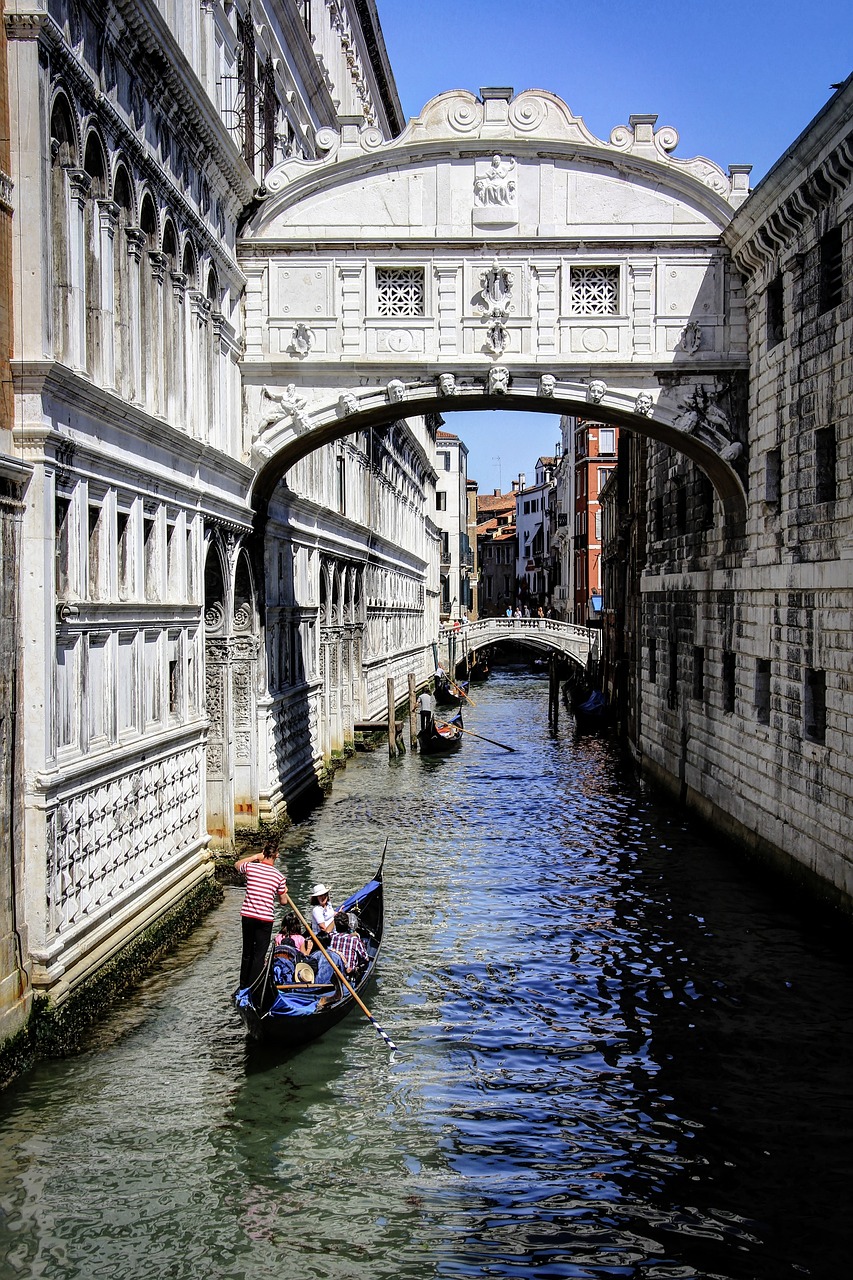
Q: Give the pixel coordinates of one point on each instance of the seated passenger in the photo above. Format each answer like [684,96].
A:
[291,935]
[348,946]
[322,911]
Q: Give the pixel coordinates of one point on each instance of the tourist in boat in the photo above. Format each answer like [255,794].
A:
[322,911]
[291,936]
[347,945]
[264,883]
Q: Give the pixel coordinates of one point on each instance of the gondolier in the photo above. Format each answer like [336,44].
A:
[264,883]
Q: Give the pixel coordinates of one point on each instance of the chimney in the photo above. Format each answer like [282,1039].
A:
[497,493]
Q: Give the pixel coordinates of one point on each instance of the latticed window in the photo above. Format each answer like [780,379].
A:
[595,291]
[400,291]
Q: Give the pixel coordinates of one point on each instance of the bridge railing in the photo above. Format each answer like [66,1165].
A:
[519,626]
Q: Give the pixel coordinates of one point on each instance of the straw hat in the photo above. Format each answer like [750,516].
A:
[319,891]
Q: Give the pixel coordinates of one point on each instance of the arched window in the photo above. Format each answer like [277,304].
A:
[63,151]
[172,326]
[122,299]
[148,308]
[95,168]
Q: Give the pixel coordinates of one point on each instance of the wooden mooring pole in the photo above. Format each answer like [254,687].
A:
[553,693]
[392,721]
[413,711]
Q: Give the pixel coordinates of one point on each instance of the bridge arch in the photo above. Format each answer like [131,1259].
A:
[496,255]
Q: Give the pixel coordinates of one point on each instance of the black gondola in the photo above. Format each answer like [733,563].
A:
[449,694]
[441,737]
[280,1010]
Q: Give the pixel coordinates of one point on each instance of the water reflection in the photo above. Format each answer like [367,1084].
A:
[618,1057]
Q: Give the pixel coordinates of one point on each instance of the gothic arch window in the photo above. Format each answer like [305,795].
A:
[94,165]
[172,324]
[148,310]
[122,296]
[64,155]
[244,594]
[214,588]
[215,427]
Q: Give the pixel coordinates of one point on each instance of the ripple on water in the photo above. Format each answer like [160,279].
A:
[617,1057]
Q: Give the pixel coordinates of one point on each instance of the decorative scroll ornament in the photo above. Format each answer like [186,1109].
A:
[498,381]
[287,404]
[595,391]
[446,384]
[395,390]
[547,384]
[644,405]
[347,404]
[301,341]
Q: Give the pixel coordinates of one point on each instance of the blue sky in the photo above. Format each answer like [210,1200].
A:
[739,82]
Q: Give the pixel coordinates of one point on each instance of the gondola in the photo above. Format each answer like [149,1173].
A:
[479,670]
[449,694]
[280,1010]
[441,737]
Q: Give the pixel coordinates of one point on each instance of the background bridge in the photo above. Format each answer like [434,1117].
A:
[547,634]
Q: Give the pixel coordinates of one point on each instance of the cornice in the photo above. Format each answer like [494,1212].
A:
[47,378]
[814,171]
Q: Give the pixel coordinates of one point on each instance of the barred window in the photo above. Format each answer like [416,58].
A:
[400,291]
[595,291]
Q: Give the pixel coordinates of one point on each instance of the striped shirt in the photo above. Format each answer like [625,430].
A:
[263,883]
[349,947]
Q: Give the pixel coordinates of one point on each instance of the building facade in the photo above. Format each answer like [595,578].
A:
[533,532]
[497,550]
[451,517]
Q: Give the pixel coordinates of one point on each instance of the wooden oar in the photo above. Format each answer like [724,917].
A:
[344,979]
[481,736]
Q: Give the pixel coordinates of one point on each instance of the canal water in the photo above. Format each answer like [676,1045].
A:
[618,1056]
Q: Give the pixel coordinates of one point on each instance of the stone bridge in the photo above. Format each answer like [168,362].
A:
[496,255]
[547,634]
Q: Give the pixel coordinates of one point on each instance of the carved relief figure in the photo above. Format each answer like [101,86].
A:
[497,336]
[699,412]
[595,391]
[547,384]
[446,384]
[498,381]
[497,185]
[496,288]
[287,403]
[347,404]
[396,390]
[644,404]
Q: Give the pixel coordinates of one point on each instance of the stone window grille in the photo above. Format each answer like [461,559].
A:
[400,291]
[594,291]
[762,690]
[825,464]
[831,270]
[815,705]
[729,686]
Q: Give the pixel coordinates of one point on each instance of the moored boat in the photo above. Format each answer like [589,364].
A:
[450,693]
[297,999]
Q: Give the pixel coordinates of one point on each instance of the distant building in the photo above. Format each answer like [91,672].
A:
[593,450]
[496,551]
[533,528]
[451,517]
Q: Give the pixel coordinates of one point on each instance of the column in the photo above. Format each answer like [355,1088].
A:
[547,306]
[352,308]
[79,186]
[447,307]
[135,238]
[107,221]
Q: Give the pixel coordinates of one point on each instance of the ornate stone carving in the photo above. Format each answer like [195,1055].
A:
[347,404]
[286,404]
[699,411]
[497,383]
[547,385]
[301,341]
[496,185]
[496,289]
[497,336]
[595,391]
[395,390]
[691,338]
[731,452]
[446,384]
[644,405]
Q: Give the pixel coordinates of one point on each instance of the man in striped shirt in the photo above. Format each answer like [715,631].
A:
[263,885]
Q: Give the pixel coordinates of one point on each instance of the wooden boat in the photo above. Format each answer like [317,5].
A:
[288,1013]
[479,670]
[590,709]
[450,694]
[441,737]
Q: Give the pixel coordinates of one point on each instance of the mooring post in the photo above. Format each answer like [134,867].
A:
[413,711]
[392,721]
[553,693]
